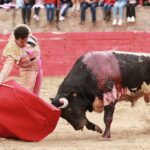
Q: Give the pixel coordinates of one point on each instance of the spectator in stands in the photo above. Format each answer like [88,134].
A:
[23,50]
[64,5]
[19,3]
[50,6]
[119,7]
[26,11]
[7,1]
[84,5]
[146,3]
[107,5]
[36,7]
[76,5]
[130,12]
[1,2]
[7,4]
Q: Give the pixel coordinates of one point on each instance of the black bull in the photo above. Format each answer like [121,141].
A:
[97,81]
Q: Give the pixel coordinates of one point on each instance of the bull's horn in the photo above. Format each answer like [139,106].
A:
[63,101]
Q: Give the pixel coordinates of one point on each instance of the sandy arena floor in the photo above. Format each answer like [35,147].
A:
[130,129]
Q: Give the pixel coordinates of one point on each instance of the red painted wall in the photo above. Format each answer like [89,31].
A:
[59,51]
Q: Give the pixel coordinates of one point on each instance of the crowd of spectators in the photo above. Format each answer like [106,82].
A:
[60,8]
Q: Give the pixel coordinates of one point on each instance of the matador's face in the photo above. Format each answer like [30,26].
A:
[21,42]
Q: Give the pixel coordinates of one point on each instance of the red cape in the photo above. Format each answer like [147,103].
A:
[24,115]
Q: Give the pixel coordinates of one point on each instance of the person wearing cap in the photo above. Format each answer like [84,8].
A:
[23,50]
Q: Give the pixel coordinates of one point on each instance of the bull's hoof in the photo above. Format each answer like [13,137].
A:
[106,136]
[98,129]
[105,139]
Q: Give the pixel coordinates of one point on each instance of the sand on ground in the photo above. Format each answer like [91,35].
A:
[130,129]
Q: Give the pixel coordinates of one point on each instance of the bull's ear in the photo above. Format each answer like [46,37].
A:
[51,99]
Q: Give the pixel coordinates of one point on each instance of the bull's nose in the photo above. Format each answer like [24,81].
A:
[80,126]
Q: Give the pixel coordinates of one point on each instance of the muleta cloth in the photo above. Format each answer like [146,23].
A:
[23,115]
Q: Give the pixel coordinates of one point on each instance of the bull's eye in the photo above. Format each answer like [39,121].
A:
[68,109]
[74,94]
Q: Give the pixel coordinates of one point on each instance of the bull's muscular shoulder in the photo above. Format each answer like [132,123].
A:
[104,65]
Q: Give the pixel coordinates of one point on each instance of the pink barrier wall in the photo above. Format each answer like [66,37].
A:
[59,51]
